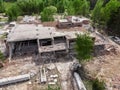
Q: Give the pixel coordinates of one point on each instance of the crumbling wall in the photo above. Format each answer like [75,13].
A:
[25,47]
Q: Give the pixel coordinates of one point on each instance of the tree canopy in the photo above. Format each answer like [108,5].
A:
[98,85]
[96,13]
[110,7]
[114,23]
[101,11]
[106,14]
[84,47]
[47,13]
[30,6]
[13,12]
[1,56]
[2,8]
[81,7]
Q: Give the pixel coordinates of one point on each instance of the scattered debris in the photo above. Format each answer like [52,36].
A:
[43,75]
[15,79]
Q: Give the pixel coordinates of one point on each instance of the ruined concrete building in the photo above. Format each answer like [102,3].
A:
[45,42]
[35,39]
[72,22]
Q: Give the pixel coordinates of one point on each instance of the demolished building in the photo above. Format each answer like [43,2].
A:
[72,22]
[36,39]
[27,39]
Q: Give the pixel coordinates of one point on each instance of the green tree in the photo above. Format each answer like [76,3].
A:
[96,13]
[81,7]
[113,23]
[1,56]
[85,8]
[2,8]
[13,12]
[110,7]
[84,47]
[70,8]
[47,13]
[98,85]
[30,6]
[62,5]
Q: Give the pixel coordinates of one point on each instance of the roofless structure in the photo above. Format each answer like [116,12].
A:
[36,39]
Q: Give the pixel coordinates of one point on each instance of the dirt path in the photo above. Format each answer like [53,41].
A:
[106,68]
[65,75]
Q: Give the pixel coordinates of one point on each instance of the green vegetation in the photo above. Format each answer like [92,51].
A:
[81,7]
[48,12]
[94,84]
[84,47]
[113,5]
[29,7]
[98,85]
[1,57]
[114,23]
[96,13]
[105,14]
[102,12]
[2,8]
[88,84]
[13,12]
[53,88]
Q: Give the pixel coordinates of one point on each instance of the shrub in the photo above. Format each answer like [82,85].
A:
[84,47]
[1,56]
[98,85]
[47,13]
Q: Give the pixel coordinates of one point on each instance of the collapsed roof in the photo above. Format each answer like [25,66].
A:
[23,32]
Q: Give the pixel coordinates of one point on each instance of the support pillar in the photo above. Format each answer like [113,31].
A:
[20,46]
[52,41]
[67,45]
[10,51]
[39,53]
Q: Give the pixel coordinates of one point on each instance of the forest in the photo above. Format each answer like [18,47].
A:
[103,13]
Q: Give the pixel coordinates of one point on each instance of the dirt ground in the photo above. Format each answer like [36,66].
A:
[26,65]
[65,77]
[106,68]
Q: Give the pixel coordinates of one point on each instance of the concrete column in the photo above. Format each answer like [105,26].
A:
[38,43]
[39,52]
[20,46]
[67,45]
[53,41]
[10,51]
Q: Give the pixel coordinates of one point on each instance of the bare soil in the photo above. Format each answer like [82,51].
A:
[26,65]
[106,68]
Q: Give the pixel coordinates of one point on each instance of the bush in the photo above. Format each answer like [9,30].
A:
[98,85]
[2,8]
[84,47]
[30,6]
[2,56]
[51,88]
[47,13]
[13,12]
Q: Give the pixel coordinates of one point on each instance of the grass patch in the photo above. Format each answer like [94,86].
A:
[2,58]
[8,5]
[88,84]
